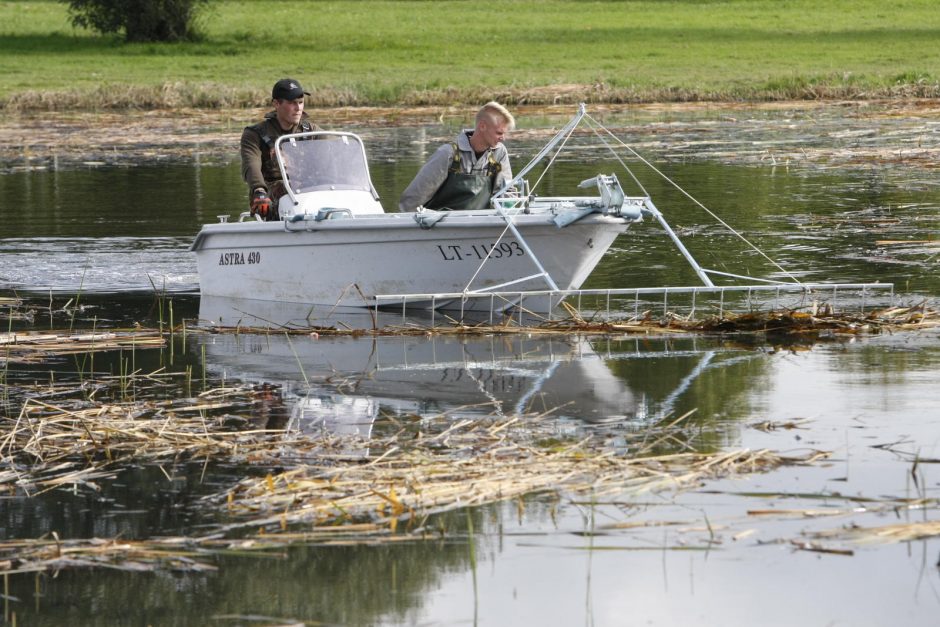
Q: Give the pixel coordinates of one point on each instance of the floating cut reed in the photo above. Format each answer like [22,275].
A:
[419,483]
[822,322]
[49,445]
[29,347]
[886,534]
[20,347]
[53,554]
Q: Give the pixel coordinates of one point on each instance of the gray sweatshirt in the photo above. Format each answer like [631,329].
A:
[433,174]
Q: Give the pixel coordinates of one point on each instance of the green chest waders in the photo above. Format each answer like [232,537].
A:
[465,191]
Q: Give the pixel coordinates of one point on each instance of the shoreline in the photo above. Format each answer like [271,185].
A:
[183,95]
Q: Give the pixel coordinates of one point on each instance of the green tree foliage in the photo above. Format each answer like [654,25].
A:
[139,20]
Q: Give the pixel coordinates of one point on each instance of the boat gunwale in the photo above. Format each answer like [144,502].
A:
[386,221]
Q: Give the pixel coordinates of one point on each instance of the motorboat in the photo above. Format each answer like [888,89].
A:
[335,244]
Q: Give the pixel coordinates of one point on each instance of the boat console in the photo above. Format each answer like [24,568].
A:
[326,176]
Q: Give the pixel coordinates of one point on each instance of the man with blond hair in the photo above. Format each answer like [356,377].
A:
[464,173]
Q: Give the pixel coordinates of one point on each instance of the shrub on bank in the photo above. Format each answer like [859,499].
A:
[139,20]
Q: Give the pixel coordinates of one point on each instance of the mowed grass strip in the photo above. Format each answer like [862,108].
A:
[361,52]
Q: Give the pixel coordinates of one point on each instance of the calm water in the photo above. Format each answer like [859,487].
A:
[119,233]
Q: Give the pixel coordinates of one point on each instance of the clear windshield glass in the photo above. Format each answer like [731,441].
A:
[320,162]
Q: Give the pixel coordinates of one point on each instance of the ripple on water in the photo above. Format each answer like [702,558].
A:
[105,265]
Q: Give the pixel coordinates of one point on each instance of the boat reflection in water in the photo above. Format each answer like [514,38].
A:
[342,415]
[342,383]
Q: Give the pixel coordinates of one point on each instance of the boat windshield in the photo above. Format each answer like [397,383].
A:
[323,161]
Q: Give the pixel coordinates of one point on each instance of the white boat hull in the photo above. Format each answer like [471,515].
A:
[348,262]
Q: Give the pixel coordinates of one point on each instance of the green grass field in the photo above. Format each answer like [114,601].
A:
[429,52]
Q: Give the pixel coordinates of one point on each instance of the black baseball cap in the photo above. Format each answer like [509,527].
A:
[288,89]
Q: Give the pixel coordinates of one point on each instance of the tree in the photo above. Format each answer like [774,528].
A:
[140,20]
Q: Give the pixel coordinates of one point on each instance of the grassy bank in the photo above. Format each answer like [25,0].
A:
[363,52]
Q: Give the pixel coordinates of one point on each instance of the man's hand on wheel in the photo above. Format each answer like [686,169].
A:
[260,203]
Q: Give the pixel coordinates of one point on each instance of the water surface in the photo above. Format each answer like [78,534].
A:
[114,238]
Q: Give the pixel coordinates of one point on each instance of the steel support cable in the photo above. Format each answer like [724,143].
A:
[615,154]
[564,142]
[693,199]
[565,130]
[508,217]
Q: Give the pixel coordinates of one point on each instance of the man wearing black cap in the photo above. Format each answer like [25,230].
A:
[259,165]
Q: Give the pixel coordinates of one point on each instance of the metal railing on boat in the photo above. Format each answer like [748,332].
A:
[615,303]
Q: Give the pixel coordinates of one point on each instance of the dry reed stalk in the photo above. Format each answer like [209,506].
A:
[23,347]
[24,556]
[802,323]
[32,347]
[49,445]
[45,435]
[173,553]
[781,322]
[419,483]
[356,491]
[886,534]
[818,548]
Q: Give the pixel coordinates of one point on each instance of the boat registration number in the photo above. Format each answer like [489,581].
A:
[480,251]
[238,258]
